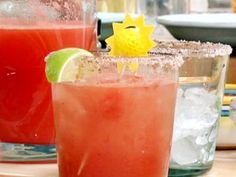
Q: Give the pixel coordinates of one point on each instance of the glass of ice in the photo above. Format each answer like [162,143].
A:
[114,120]
[198,107]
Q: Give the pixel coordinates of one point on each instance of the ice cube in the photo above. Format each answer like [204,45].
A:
[192,118]
[201,140]
[185,152]
[192,115]
[196,117]
[200,96]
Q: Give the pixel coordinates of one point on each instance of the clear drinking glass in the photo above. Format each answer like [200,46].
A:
[113,122]
[29,30]
[198,107]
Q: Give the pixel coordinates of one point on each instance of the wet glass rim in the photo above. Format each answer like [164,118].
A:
[195,49]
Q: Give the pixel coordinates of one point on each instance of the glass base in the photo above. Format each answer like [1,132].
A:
[14,152]
[190,172]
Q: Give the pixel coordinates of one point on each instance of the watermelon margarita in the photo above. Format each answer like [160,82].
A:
[26,114]
[115,125]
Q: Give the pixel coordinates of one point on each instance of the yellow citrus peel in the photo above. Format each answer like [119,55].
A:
[132,38]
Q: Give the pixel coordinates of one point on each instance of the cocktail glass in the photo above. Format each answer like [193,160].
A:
[116,122]
[29,30]
[198,107]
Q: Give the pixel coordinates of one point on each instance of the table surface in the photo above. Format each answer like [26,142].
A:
[224,166]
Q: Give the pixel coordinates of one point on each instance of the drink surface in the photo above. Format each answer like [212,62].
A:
[114,129]
[26,114]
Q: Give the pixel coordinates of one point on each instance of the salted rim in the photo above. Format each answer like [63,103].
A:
[192,48]
[163,59]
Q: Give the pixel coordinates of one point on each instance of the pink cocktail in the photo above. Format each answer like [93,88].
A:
[116,124]
[26,110]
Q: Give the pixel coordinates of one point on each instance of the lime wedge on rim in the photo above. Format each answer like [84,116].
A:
[60,64]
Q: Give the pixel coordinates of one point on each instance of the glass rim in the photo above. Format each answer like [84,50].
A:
[195,49]
[163,59]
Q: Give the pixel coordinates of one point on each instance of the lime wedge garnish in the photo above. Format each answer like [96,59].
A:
[62,65]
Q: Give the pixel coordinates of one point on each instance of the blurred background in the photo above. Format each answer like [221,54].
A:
[108,11]
[162,7]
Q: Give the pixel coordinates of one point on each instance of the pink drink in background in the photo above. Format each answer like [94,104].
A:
[26,114]
[114,129]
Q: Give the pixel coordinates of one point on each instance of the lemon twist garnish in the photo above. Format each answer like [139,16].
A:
[132,38]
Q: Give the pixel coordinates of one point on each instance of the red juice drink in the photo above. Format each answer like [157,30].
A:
[26,114]
[116,124]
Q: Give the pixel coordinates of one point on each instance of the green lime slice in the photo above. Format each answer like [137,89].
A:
[61,65]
